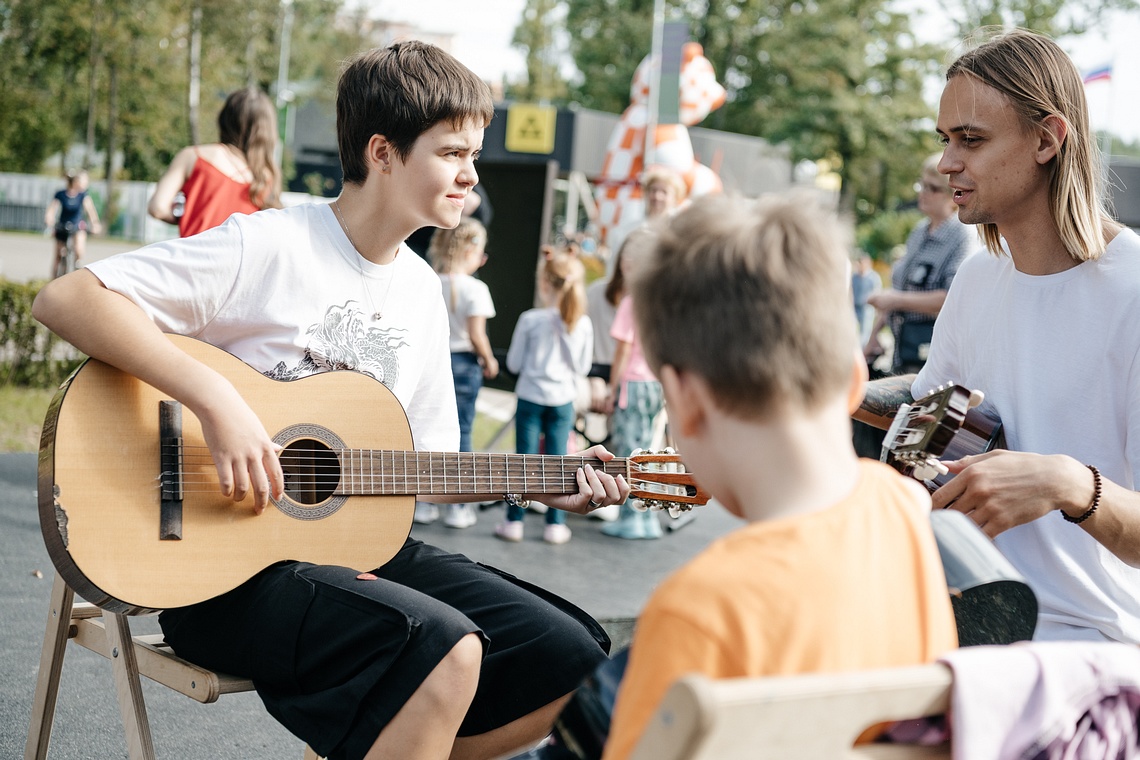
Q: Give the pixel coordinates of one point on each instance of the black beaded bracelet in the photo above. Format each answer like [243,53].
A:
[1095,499]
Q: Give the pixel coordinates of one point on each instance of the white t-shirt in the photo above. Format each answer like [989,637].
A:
[465,297]
[548,358]
[286,292]
[1058,358]
[601,314]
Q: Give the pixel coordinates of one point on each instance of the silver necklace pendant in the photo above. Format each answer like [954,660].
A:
[377,316]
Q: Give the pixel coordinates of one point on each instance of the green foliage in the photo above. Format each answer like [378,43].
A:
[118,71]
[1057,18]
[882,234]
[539,38]
[613,36]
[29,353]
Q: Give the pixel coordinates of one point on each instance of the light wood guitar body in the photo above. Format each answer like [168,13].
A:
[134,525]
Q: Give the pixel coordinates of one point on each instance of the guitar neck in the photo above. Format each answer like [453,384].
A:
[367,472]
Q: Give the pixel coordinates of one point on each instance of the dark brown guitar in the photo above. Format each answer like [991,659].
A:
[942,426]
[992,602]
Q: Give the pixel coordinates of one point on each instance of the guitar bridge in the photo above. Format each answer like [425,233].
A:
[170,470]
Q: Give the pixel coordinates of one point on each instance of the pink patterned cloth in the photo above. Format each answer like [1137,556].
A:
[1055,700]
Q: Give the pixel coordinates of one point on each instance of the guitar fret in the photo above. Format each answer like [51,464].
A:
[380,472]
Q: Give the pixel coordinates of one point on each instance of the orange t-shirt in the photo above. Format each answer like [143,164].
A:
[856,586]
[211,197]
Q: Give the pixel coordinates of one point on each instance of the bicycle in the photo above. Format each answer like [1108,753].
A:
[65,233]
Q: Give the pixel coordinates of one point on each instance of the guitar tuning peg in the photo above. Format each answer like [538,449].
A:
[668,450]
[976,399]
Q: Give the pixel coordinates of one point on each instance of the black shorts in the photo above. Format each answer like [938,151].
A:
[335,658]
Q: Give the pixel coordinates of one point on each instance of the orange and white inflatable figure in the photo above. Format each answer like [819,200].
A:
[618,191]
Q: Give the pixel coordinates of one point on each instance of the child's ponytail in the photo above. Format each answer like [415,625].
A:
[566,276]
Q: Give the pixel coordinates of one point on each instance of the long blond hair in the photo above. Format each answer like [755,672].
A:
[1040,80]
[448,248]
[562,270]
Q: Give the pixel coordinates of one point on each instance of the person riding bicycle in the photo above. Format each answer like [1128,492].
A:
[64,216]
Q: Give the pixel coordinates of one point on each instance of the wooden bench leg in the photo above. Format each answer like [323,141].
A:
[128,687]
[51,666]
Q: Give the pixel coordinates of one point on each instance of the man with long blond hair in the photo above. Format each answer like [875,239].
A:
[1045,327]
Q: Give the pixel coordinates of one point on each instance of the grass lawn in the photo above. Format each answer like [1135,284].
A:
[21,417]
[22,413]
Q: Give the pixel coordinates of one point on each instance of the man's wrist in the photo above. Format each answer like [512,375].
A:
[1082,511]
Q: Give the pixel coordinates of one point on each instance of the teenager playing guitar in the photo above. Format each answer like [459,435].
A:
[401,661]
[1046,328]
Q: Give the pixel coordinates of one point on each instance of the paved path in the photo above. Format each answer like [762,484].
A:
[27,256]
[607,577]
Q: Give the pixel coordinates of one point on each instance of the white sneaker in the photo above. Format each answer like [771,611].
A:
[555,533]
[459,516]
[510,530]
[426,513]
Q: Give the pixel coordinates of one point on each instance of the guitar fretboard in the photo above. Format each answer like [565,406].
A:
[367,472]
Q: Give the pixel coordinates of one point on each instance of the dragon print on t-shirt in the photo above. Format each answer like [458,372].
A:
[346,339]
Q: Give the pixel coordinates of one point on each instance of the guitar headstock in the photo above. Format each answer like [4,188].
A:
[660,481]
[923,429]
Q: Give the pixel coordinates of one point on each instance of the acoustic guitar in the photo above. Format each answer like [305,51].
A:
[992,602]
[134,521]
[942,426]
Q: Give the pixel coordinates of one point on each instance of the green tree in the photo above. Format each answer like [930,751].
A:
[1057,18]
[839,80]
[539,37]
[116,73]
[611,39]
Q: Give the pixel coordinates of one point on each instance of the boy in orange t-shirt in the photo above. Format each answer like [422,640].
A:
[741,308]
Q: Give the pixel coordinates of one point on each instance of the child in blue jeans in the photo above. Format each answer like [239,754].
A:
[456,255]
[551,348]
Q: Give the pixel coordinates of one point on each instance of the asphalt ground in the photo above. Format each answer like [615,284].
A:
[609,578]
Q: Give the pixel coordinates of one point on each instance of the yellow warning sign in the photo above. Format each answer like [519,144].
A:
[530,128]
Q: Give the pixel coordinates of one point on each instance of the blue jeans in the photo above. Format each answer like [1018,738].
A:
[551,422]
[468,377]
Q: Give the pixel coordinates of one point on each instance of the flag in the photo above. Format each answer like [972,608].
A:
[1099,74]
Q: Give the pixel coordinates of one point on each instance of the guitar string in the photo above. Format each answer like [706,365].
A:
[554,460]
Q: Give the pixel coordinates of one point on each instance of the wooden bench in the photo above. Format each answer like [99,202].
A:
[808,717]
[131,656]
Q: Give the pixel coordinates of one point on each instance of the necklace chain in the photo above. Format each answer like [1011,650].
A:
[377,314]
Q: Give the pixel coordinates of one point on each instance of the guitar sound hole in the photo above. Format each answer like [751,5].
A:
[312,471]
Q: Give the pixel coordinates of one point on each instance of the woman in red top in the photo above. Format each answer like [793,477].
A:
[238,174]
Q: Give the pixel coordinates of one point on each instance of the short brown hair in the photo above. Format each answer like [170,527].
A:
[402,91]
[752,296]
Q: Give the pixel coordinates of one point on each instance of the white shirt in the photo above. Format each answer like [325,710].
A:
[286,292]
[548,358]
[1058,358]
[464,297]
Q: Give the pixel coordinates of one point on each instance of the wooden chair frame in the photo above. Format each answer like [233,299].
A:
[808,717]
[109,634]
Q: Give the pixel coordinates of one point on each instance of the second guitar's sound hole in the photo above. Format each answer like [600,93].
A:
[312,471]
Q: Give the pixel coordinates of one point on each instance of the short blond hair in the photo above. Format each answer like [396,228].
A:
[660,175]
[752,295]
